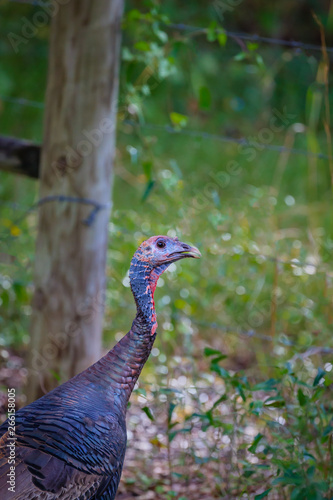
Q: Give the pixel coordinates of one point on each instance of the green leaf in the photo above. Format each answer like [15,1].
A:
[248,472]
[241,392]
[311,471]
[148,413]
[211,31]
[328,429]
[302,399]
[222,38]
[212,352]
[240,57]
[275,402]
[205,98]
[208,351]
[285,480]
[256,441]
[127,55]
[171,409]
[178,120]
[4,298]
[20,292]
[319,376]
[134,15]
[161,35]
[252,46]
[260,61]
[219,370]
[143,46]
[56,375]
[172,435]
[140,391]
[297,493]
[149,186]
[268,385]
[147,168]
[220,400]
[169,390]
[262,495]
[256,407]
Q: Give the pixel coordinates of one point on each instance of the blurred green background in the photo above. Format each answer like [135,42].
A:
[243,204]
[224,142]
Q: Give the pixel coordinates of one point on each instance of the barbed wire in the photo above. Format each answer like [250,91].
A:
[223,138]
[22,101]
[292,263]
[13,205]
[251,37]
[88,221]
[35,3]
[281,339]
[293,44]
[242,141]
[97,206]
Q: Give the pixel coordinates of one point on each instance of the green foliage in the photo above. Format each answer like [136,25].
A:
[277,432]
[294,413]
[179,121]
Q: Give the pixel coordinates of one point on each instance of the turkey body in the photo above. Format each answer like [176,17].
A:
[66,447]
[70,443]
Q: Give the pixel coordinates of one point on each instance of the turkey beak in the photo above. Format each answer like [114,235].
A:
[191,252]
[185,251]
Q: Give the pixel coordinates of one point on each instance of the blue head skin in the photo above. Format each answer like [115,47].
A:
[149,261]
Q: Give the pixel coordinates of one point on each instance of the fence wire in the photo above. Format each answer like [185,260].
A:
[242,141]
[293,44]
[26,210]
[255,38]
[201,134]
[281,339]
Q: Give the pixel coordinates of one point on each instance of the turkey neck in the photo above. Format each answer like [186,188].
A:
[143,279]
[123,364]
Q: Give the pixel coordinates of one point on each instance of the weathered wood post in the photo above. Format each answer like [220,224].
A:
[76,163]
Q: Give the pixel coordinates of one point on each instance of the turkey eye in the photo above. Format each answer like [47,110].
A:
[160,244]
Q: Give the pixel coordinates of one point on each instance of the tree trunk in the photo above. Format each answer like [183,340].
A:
[76,163]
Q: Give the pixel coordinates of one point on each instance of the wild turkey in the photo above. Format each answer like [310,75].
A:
[71,442]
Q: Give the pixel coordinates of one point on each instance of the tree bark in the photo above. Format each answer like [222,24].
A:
[76,163]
